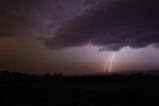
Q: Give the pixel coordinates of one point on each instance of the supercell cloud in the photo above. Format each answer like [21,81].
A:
[111,26]
[38,17]
[108,24]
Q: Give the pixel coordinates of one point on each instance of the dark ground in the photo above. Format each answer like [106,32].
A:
[18,89]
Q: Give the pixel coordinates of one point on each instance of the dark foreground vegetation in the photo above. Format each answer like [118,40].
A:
[17,89]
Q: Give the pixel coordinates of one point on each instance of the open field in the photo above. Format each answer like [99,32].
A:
[112,90]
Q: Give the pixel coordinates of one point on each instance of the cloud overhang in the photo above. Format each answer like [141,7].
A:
[108,24]
[133,23]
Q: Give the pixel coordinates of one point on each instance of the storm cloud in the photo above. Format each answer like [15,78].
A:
[133,23]
[38,17]
[108,24]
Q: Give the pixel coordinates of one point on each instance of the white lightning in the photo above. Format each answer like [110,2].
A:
[111,62]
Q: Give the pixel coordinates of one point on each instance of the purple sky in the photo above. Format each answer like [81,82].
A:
[78,36]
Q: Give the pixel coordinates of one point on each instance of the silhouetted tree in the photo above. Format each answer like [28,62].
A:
[4,73]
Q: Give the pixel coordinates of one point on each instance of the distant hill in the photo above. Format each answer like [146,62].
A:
[150,72]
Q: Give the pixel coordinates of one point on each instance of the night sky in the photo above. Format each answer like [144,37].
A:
[78,36]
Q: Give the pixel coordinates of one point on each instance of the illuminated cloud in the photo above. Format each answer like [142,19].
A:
[108,24]
[122,23]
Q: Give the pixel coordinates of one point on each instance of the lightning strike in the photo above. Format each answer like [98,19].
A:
[111,63]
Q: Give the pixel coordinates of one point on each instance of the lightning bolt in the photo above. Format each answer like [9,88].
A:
[111,62]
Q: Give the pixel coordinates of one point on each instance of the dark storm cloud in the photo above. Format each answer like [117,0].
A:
[41,17]
[133,23]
